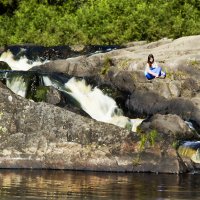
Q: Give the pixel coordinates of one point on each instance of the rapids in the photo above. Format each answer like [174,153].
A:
[23,64]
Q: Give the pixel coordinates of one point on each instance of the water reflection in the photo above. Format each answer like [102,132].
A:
[52,184]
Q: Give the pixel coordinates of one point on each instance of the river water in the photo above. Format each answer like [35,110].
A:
[58,184]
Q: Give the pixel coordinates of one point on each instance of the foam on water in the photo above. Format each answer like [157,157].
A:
[93,101]
[23,64]
[18,85]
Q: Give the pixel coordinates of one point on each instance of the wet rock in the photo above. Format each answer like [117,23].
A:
[53,96]
[4,66]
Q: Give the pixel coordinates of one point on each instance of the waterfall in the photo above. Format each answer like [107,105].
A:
[17,84]
[96,104]
[52,82]
[23,64]
[93,101]
[190,149]
[99,106]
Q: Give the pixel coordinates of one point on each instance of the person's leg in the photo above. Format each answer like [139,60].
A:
[149,76]
[157,70]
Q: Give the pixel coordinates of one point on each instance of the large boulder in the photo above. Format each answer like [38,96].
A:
[40,135]
[77,66]
[171,126]
[149,103]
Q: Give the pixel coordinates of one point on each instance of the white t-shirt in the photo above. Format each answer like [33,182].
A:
[147,67]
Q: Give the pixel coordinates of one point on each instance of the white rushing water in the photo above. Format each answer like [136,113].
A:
[99,106]
[95,103]
[17,84]
[23,64]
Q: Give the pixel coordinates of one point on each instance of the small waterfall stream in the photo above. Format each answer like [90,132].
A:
[94,102]
[23,64]
[17,84]
[99,106]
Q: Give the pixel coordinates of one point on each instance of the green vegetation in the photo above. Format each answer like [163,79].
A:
[70,22]
[176,144]
[41,93]
[106,67]
[148,139]
[128,126]
[194,62]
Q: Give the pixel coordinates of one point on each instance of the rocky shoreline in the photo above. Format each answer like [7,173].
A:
[43,135]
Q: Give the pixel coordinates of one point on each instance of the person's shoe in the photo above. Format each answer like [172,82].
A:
[163,75]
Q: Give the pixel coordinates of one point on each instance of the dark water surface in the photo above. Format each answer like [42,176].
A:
[55,184]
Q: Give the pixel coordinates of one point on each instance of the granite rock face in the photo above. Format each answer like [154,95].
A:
[41,135]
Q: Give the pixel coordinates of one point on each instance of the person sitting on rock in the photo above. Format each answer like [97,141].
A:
[152,70]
